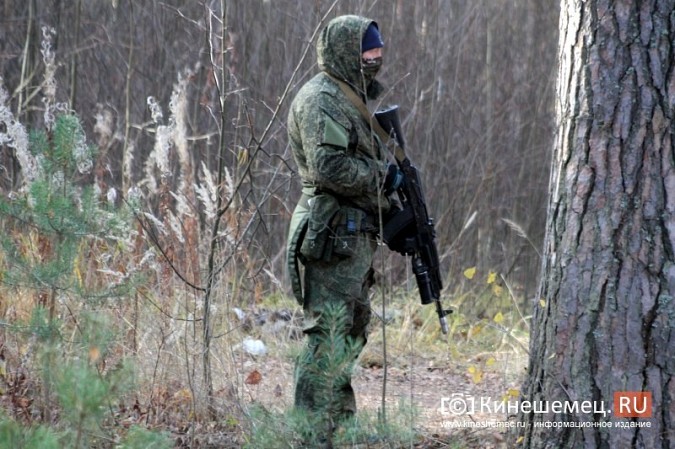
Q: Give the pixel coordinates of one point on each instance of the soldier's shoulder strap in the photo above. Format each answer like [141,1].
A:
[358,103]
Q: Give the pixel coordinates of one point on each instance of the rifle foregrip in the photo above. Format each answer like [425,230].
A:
[424,281]
[425,262]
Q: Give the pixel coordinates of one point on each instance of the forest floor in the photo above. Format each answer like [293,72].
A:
[439,380]
[440,392]
[425,386]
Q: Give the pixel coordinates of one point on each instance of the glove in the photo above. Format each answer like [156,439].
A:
[393,179]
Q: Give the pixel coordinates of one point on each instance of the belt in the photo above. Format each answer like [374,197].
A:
[369,222]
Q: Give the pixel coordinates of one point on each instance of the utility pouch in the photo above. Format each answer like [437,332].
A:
[347,229]
[322,210]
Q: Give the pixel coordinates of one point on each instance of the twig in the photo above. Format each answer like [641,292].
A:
[127,106]
[275,114]
[26,50]
[163,312]
[74,61]
[155,241]
[513,299]
[154,376]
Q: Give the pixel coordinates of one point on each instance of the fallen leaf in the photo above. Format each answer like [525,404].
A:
[183,396]
[477,377]
[253,378]
[22,402]
[469,273]
[492,277]
[94,354]
[476,374]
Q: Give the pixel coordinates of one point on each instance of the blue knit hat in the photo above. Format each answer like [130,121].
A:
[371,38]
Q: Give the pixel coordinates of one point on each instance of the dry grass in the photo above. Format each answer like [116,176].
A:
[156,331]
[181,235]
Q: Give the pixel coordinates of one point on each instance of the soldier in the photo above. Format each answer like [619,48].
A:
[346,180]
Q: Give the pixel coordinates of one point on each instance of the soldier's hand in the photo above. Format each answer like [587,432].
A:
[393,179]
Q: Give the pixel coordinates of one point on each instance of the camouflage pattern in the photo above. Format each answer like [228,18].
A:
[342,282]
[353,172]
[336,153]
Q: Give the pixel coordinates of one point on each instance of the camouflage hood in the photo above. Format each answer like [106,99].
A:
[339,52]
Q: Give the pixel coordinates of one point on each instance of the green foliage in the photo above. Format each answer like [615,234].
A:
[296,428]
[327,368]
[273,431]
[140,438]
[335,358]
[82,394]
[44,329]
[65,150]
[54,226]
[85,396]
[49,222]
[397,430]
[13,435]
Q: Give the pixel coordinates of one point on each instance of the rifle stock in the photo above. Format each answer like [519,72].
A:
[411,231]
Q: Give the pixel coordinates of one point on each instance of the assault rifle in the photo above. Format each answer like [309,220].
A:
[410,231]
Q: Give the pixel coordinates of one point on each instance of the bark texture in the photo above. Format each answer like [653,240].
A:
[607,313]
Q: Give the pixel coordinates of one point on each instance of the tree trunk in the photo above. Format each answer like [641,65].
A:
[605,316]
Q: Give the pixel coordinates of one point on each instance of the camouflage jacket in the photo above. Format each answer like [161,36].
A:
[332,143]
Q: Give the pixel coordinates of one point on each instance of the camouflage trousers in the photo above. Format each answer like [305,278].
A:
[336,316]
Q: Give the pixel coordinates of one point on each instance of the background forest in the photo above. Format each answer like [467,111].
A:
[144,208]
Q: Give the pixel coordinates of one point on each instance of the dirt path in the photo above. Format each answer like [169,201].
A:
[425,386]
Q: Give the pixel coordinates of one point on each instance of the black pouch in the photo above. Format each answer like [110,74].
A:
[322,210]
[347,231]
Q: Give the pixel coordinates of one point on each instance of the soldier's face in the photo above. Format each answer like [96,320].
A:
[372,54]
